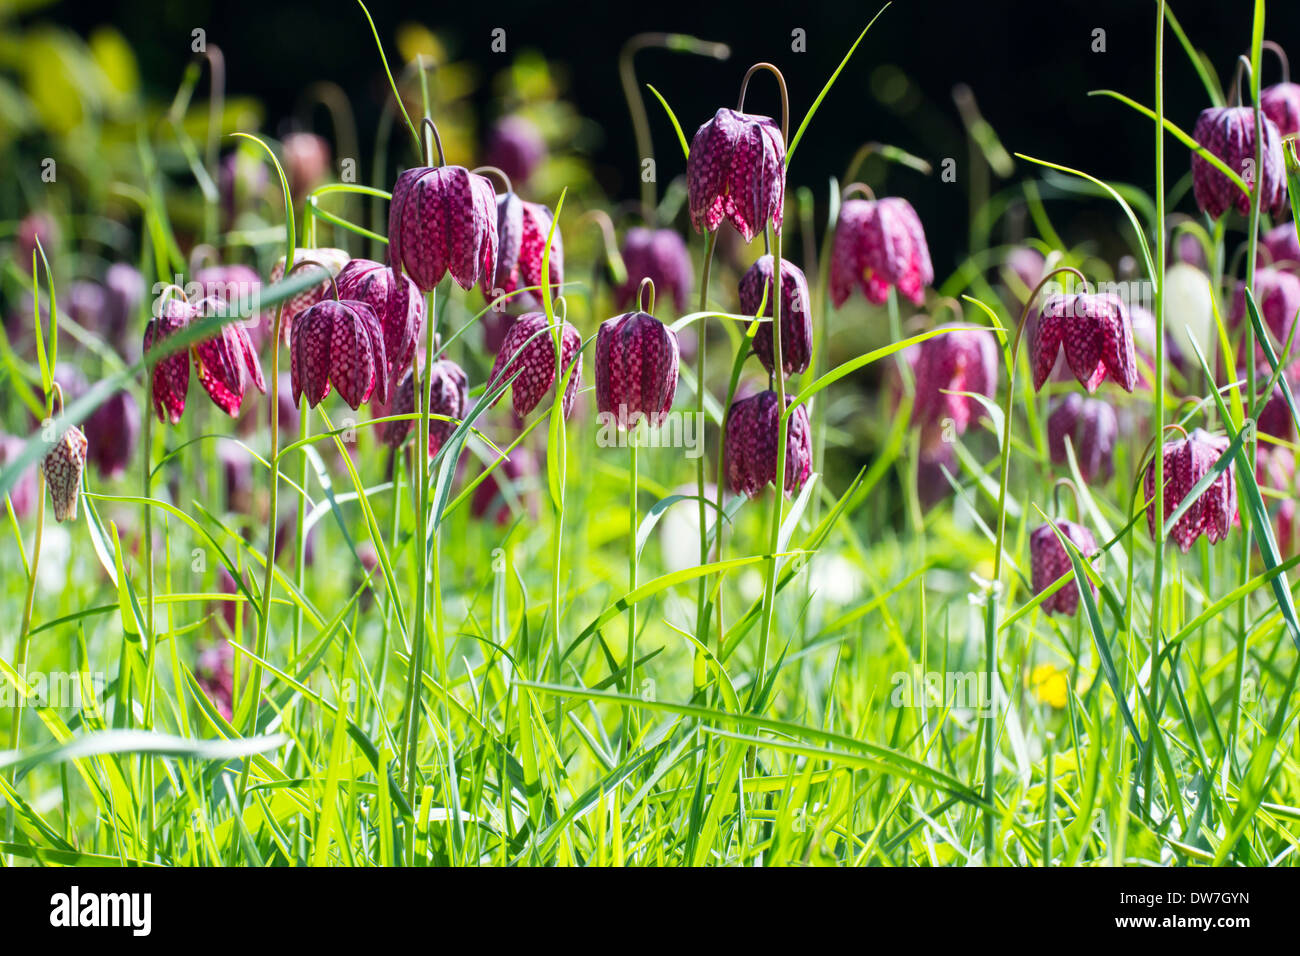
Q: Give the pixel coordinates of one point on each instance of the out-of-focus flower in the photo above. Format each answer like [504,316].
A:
[751,449]
[62,466]
[338,342]
[536,363]
[1096,334]
[636,369]
[1281,103]
[964,360]
[796,322]
[1275,471]
[489,498]
[397,303]
[1027,265]
[736,172]
[659,255]
[215,673]
[1280,245]
[1186,247]
[516,147]
[1093,429]
[113,430]
[1051,684]
[1229,133]
[1275,418]
[306,160]
[443,219]
[242,176]
[879,244]
[23,492]
[1189,313]
[237,472]
[1186,462]
[36,225]
[522,231]
[1144,343]
[1050,561]
[1277,293]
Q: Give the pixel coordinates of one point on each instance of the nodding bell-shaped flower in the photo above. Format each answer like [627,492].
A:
[1275,418]
[964,360]
[750,446]
[736,172]
[796,323]
[23,491]
[443,219]
[1277,293]
[522,231]
[1093,429]
[397,303]
[62,466]
[171,375]
[1281,104]
[114,428]
[1097,335]
[516,147]
[328,262]
[879,243]
[1280,245]
[1229,133]
[449,396]
[338,342]
[1049,561]
[224,363]
[530,337]
[636,369]
[306,160]
[1187,461]
[659,255]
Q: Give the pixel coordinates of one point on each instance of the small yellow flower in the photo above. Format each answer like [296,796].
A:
[1050,685]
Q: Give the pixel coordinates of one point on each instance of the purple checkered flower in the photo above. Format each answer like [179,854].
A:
[1096,335]
[224,363]
[522,231]
[338,342]
[796,322]
[661,256]
[879,243]
[1093,430]
[443,219]
[1187,461]
[1277,293]
[1229,133]
[750,445]
[448,396]
[1049,561]
[536,362]
[636,369]
[736,172]
[397,303]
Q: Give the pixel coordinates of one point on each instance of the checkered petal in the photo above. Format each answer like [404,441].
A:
[796,322]
[535,362]
[62,466]
[171,375]
[736,172]
[1186,462]
[878,245]
[636,369]
[443,220]
[750,445]
[1049,561]
[1229,133]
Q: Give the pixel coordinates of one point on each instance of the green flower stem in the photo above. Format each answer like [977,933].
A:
[629,661]
[778,479]
[991,605]
[702,594]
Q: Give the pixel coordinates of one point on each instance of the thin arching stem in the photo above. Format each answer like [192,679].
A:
[991,605]
[785,95]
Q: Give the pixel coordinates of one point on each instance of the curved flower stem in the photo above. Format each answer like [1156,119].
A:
[991,605]
[636,102]
[702,594]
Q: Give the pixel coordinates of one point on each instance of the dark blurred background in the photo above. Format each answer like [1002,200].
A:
[1030,66]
